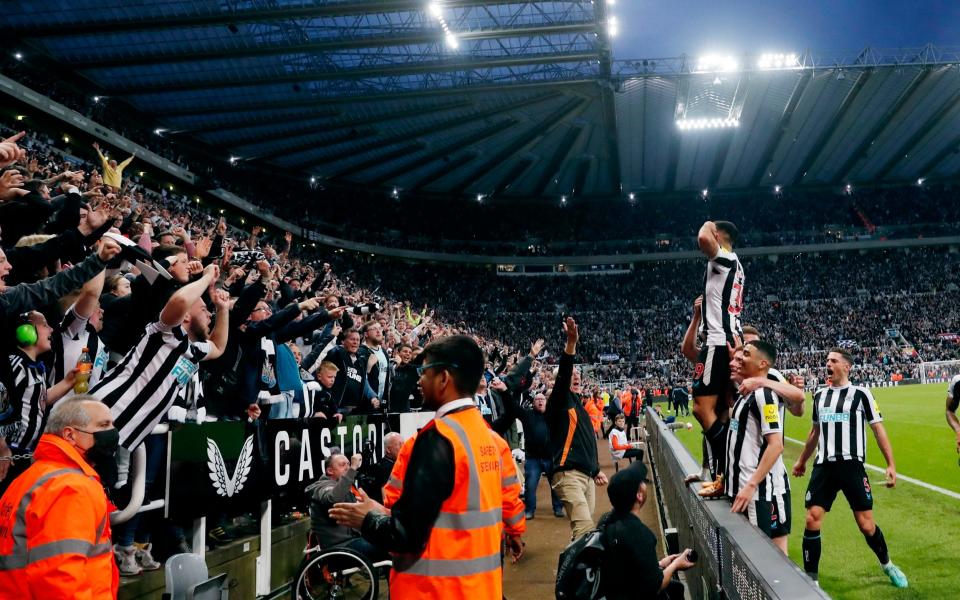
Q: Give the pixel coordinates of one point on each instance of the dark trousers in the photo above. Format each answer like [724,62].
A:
[533,469]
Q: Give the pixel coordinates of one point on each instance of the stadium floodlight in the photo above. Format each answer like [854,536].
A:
[435,10]
[395,193]
[18,55]
[704,193]
[716,63]
[159,131]
[777,189]
[848,189]
[563,199]
[480,197]
[313,180]
[631,196]
[714,123]
[96,99]
[613,27]
[777,61]
[21,117]
[66,139]
[234,159]
[452,40]
[920,181]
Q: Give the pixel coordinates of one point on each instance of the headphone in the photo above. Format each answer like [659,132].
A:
[26,332]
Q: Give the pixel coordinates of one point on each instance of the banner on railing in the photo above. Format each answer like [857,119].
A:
[231,466]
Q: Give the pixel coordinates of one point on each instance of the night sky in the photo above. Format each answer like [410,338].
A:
[658,29]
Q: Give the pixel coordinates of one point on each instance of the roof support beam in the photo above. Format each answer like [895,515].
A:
[510,176]
[433,66]
[349,136]
[763,165]
[931,165]
[402,151]
[723,146]
[541,128]
[235,17]
[422,131]
[880,126]
[824,136]
[907,147]
[683,90]
[328,127]
[264,118]
[412,38]
[559,155]
[310,100]
[444,151]
[443,169]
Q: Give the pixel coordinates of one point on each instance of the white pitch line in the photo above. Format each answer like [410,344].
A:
[924,484]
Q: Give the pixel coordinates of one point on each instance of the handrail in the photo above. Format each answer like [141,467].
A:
[138,472]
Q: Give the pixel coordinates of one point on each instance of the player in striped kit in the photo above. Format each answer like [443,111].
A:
[840,415]
[756,479]
[953,401]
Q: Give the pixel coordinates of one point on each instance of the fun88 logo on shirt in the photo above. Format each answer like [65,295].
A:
[834,417]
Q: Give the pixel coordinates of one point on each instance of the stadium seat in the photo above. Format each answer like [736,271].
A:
[187,579]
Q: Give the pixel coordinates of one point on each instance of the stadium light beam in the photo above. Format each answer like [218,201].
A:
[714,123]
[772,61]
[613,27]
[435,10]
[719,63]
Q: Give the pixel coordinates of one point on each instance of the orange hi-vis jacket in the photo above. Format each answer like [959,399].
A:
[461,560]
[55,530]
[595,410]
[514,520]
[626,403]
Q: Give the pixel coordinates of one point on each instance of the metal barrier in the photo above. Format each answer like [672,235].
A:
[736,560]
[138,479]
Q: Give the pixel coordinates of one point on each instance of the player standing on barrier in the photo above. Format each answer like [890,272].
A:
[840,412]
[756,479]
[720,326]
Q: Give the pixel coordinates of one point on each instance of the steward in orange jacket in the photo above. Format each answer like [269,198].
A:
[55,520]
[594,408]
[514,521]
[445,528]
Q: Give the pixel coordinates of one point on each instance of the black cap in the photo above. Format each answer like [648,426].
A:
[622,489]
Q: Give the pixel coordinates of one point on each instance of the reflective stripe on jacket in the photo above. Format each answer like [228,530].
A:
[462,556]
[55,529]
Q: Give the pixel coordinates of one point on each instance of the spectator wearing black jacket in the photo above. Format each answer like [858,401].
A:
[404,393]
[631,548]
[351,391]
[576,469]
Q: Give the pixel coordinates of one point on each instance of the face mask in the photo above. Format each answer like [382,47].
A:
[103,454]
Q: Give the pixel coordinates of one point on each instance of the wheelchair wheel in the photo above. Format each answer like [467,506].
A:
[335,574]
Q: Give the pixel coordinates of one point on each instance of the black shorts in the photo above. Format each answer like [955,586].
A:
[847,476]
[772,516]
[712,373]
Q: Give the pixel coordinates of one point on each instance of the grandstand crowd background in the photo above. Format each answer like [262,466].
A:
[893,308]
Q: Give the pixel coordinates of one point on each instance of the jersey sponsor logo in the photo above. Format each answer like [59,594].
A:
[834,417]
[184,370]
[354,374]
[734,425]
[770,413]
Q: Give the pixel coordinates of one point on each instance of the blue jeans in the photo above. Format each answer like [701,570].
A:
[124,534]
[533,469]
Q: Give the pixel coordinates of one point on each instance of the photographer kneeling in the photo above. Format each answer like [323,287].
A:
[630,567]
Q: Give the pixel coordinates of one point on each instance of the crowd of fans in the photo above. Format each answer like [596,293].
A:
[108,263]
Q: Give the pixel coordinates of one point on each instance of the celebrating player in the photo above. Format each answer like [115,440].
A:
[720,325]
[839,414]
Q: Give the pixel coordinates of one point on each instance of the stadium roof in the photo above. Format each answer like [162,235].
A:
[500,97]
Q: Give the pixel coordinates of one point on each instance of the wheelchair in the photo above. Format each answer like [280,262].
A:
[337,573]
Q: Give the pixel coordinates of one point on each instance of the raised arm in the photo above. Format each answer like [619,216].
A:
[221,327]
[180,302]
[689,346]
[707,240]
[90,296]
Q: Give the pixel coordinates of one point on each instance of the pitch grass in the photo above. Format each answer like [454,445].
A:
[921,526]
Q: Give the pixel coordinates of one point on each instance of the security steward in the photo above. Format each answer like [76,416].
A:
[55,517]
[445,529]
